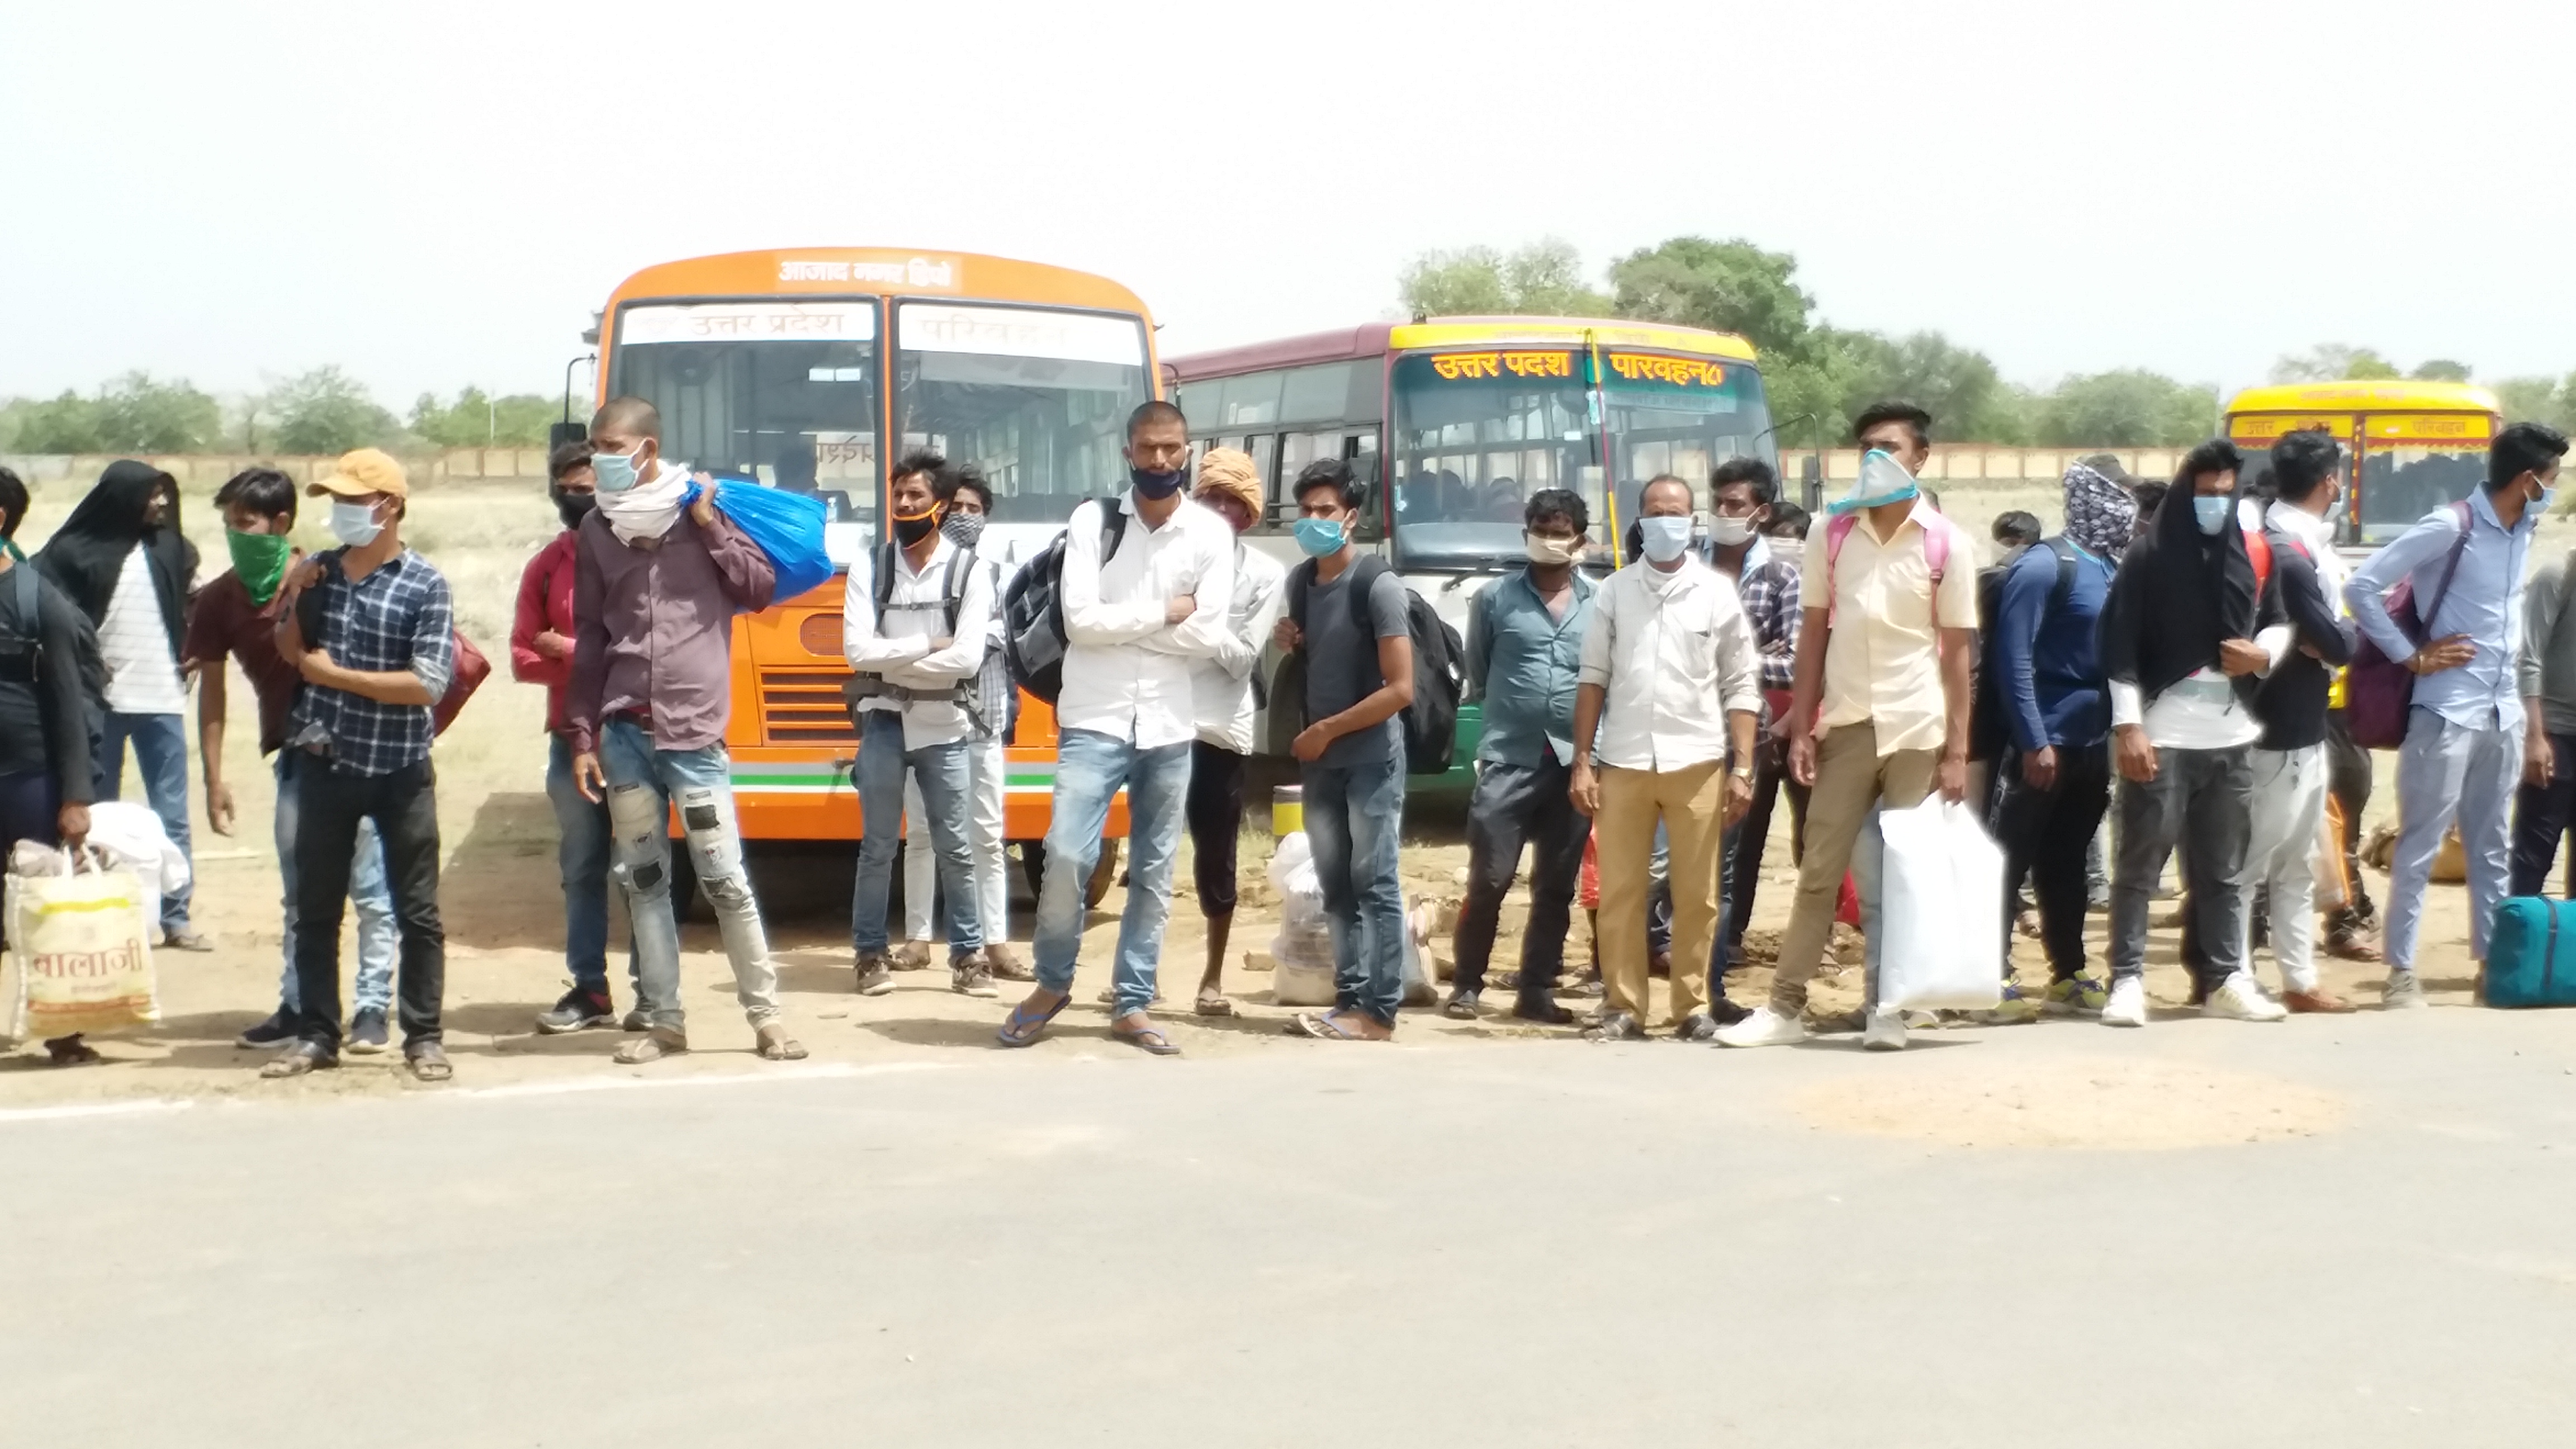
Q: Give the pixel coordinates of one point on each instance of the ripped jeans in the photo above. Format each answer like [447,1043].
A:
[643,784]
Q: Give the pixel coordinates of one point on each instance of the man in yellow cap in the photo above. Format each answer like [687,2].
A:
[1225,696]
[370,627]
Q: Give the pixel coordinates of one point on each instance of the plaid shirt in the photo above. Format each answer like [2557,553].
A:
[1770,593]
[397,618]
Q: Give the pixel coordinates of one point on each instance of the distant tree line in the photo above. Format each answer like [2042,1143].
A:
[1815,369]
[321,411]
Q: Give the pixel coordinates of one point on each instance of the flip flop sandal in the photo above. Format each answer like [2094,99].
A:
[1023,1029]
[429,1065]
[72,1052]
[1213,1006]
[777,1046]
[652,1046]
[1319,1025]
[297,1060]
[1109,997]
[1147,1039]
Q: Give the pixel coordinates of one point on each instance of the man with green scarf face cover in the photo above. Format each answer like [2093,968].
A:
[233,620]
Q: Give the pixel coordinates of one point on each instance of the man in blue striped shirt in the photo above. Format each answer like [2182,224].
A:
[370,627]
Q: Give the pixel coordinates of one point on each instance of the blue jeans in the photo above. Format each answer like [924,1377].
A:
[581,854]
[643,785]
[1354,820]
[942,774]
[1090,769]
[161,757]
[379,934]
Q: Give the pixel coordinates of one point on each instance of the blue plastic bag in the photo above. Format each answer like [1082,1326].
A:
[787,526]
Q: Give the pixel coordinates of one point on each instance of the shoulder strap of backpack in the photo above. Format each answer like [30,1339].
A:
[2064,589]
[884,582]
[1836,530]
[1300,579]
[952,589]
[2258,551]
[1936,553]
[30,599]
[2468,521]
[1113,528]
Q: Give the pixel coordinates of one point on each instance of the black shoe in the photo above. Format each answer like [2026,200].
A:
[1615,1026]
[366,1032]
[1698,1026]
[1542,1011]
[278,1029]
[875,974]
[1727,1012]
[1461,1005]
[578,1011]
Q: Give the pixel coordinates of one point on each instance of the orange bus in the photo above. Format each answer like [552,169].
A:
[810,369]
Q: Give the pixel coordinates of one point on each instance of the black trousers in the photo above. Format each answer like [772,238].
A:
[1214,809]
[2348,785]
[1515,805]
[2540,817]
[404,805]
[2046,833]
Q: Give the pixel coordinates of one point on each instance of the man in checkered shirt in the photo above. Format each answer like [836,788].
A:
[1741,492]
[369,626]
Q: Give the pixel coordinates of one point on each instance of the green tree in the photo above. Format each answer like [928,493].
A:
[65,424]
[1542,279]
[2440,369]
[475,420]
[2130,408]
[1728,286]
[139,415]
[327,411]
[2334,362]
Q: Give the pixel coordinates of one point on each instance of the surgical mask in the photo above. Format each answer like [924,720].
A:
[617,472]
[2211,513]
[1882,480]
[572,508]
[259,561]
[916,528]
[353,523]
[1320,537]
[1728,532]
[1553,552]
[1157,486]
[1664,537]
[963,529]
[2334,510]
[2548,495]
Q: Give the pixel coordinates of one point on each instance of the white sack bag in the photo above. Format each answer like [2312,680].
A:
[1941,905]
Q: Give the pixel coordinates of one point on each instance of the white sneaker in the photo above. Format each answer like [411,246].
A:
[2128,1003]
[2239,998]
[1883,1032]
[1764,1027]
[2404,992]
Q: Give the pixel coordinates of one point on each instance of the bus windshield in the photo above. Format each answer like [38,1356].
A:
[1036,398]
[1476,433]
[784,393]
[2401,484]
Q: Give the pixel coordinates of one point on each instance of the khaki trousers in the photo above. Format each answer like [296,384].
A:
[1852,779]
[1691,804]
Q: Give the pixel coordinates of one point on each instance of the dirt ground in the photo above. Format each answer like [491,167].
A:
[504,918]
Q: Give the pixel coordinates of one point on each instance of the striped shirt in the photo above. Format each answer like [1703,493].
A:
[397,618]
[142,676]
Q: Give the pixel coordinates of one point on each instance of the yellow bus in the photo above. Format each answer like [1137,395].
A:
[1457,420]
[811,369]
[2409,447]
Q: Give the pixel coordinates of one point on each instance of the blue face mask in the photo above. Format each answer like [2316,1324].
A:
[615,472]
[1320,537]
[1664,538]
[2211,513]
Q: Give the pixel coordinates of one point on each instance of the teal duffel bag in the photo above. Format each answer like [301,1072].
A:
[2531,953]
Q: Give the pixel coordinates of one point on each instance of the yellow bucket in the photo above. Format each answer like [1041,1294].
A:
[1287,811]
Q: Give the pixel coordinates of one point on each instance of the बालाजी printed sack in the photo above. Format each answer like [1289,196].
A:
[80,949]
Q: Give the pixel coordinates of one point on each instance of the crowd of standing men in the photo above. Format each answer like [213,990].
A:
[2170,660]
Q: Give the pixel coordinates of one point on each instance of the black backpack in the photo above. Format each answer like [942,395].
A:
[23,658]
[1987,732]
[1033,637]
[1439,677]
[952,597]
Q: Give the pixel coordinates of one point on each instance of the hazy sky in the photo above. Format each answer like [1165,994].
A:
[433,195]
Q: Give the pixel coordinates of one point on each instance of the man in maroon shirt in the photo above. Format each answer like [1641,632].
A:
[541,637]
[658,575]
[235,618]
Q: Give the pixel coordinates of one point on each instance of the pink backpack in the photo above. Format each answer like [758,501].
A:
[1936,552]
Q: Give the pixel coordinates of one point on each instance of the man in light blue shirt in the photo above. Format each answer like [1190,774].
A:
[2466,731]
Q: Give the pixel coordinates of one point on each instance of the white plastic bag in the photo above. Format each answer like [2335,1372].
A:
[1301,955]
[1941,907]
[80,949]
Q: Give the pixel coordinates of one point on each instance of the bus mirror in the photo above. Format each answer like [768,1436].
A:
[558,434]
[1811,473]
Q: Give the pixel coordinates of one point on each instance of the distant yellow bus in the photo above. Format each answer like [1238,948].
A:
[2409,447]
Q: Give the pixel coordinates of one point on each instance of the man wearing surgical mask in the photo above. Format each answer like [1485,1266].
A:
[1668,693]
[1742,493]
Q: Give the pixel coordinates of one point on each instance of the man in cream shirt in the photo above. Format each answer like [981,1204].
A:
[1668,654]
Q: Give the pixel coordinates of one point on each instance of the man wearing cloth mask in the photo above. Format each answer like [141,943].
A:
[2471,732]
[1668,693]
[2187,636]
[1135,624]
[370,626]
[541,635]
[658,576]
[1228,701]
[1888,612]
[236,617]
[2055,780]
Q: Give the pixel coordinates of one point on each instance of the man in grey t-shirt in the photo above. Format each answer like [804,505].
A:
[1358,679]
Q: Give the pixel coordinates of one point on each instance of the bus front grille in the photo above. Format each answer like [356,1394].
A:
[803,707]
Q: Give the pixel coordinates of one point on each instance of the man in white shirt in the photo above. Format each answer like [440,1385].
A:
[1227,703]
[1669,650]
[914,618]
[1135,628]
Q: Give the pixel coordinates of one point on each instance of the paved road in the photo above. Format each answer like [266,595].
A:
[1488,1245]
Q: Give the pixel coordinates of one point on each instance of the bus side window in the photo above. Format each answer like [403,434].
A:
[1264,448]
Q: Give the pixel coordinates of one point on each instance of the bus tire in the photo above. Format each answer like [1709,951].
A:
[1104,873]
